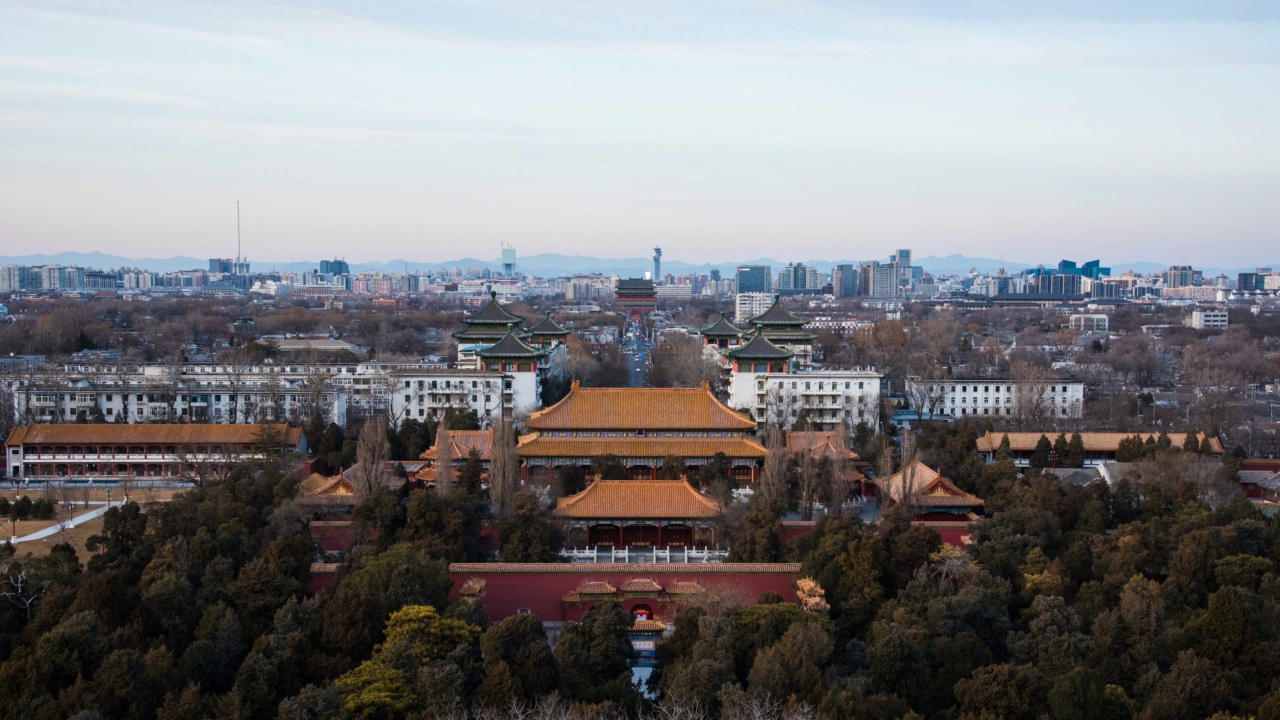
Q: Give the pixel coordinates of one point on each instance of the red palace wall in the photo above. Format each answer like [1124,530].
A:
[333,535]
[792,529]
[539,588]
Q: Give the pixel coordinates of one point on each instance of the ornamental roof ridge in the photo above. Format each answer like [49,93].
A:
[759,347]
[778,315]
[493,313]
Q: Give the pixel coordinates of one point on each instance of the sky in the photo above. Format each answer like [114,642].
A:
[721,131]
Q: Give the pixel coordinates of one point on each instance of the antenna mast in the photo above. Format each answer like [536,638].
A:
[237,232]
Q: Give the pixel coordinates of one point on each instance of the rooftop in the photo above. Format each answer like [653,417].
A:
[147,434]
[657,499]
[918,484]
[639,409]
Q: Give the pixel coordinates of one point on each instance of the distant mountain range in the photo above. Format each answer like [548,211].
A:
[554,264]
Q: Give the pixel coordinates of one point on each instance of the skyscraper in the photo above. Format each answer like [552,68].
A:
[508,260]
[755,279]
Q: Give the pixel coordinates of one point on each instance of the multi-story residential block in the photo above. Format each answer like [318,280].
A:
[232,393]
[1090,322]
[826,399]
[965,397]
[111,451]
[1208,319]
[747,305]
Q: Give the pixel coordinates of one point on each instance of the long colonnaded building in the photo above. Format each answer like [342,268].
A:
[115,450]
[641,427]
[1099,447]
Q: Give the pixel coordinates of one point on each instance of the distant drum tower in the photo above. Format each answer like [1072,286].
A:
[657,264]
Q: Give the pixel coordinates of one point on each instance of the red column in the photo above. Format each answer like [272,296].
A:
[659,543]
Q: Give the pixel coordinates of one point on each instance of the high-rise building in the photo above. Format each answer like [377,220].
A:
[881,280]
[508,261]
[755,279]
[844,281]
[1178,276]
[797,277]
[334,267]
[220,265]
[657,264]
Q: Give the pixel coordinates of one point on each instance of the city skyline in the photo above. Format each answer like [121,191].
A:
[1139,132]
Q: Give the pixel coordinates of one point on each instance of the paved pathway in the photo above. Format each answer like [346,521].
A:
[55,528]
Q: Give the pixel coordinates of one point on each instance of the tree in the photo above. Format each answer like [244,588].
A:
[372,454]
[608,467]
[444,459]
[672,468]
[1081,694]
[773,476]
[594,656]
[375,690]
[429,636]
[527,535]
[1193,688]
[794,668]
[518,663]
[1005,691]
[756,538]
[504,467]
[1043,455]
[1075,451]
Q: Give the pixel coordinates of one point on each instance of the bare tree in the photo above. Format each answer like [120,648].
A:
[503,467]
[23,591]
[1031,388]
[372,452]
[773,477]
[809,477]
[444,458]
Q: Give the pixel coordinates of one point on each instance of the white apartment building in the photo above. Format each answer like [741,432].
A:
[749,305]
[829,399]
[223,393]
[1090,322]
[1002,398]
[1208,319]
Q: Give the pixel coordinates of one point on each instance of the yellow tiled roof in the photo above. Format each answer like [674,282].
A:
[639,585]
[924,486]
[1093,441]
[535,445]
[145,434]
[820,444]
[462,442]
[636,499]
[639,408]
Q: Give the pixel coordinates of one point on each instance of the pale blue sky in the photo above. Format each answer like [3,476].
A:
[719,130]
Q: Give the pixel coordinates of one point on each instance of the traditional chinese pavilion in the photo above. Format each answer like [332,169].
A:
[489,324]
[638,513]
[933,501]
[461,444]
[642,427]
[785,329]
[545,333]
[829,446]
[510,354]
[759,355]
[722,333]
